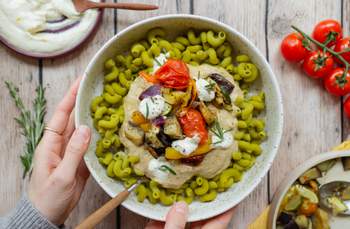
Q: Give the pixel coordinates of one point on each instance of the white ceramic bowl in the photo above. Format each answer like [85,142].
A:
[335,174]
[91,86]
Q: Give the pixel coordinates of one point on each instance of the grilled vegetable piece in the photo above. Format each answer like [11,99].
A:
[173,154]
[207,114]
[294,203]
[345,195]
[194,161]
[172,128]
[167,109]
[337,205]
[151,91]
[306,193]
[320,220]
[326,165]
[152,139]
[291,225]
[307,208]
[346,163]
[137,118]
[284,218]
[134,134]
[174,97]
[302,221]
[225,85]
[309,175]
[165,139]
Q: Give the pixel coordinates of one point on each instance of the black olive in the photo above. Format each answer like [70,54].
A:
[284,218]
[165,139]
[291,225]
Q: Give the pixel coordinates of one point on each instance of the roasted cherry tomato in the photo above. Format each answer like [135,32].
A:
[328,31]
[318,64]
[340,46]
[346,107]
[173,74]
[192,123]
[307,208]
[336,84]
[292,48]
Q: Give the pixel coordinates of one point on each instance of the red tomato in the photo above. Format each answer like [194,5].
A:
[328,31]
[335,84]
[192,123]
[292,48]
[317,64]
[173,74]
[341,45]
[346,107]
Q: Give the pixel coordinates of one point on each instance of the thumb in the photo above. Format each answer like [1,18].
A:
[177,216]
[75,150]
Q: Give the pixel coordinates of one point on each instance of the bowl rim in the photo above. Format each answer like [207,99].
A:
[292,177]
[56,54]
[274,85]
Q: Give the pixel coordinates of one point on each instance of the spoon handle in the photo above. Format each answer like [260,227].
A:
[120,5]
[101,213]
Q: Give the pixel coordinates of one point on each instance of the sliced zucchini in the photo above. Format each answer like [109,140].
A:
[326,165]
[307,193]
[294,203]
[310,174]
[337,205]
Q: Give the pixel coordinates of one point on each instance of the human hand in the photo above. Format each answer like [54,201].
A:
[177,218]
[59,173]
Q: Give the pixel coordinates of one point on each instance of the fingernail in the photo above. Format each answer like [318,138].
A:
[84,133]
[181,207]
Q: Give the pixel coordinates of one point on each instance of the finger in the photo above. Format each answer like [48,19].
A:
[67,134]
[83,171]
[75,151]
[61,115]
[220,221]
[177,216]
[154,225]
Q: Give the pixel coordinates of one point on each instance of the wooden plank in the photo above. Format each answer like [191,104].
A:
[312,116]
[24,73]
[128,219]
[346,27]
[57,77]
[247,17]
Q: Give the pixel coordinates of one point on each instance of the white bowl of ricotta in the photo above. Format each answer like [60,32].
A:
[92,85]
[45,28]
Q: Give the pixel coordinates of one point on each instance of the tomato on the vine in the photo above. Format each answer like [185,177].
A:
[346,107]
[336,83]
[328,31]
[318,64]
[293,47]
[342,45]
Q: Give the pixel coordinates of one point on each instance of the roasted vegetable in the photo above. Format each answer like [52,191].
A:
[337,205]
[225,85]
[172,128]
[320,220]
[307,208]
[194,161]
[306,193]
[325,166]
[173,154]
[294,203]
[134,134]
[302,221]
[284,218]
[345,194]
[207,114]
[151,138]
[346,163]
[174,97]
[310,174]
[151,91]
[137,119]
[165,139]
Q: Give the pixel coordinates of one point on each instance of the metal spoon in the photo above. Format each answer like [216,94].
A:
[83,5]
[330,189]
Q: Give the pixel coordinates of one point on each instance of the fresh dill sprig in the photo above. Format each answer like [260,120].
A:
[157,61]
[31,122]
[218,131]
[166,168]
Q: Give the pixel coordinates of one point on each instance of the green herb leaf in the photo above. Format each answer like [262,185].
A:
[210,86]
[157,61]
[31,122]
[166,168]
[147,110]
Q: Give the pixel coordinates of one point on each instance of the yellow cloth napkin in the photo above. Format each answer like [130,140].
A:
[261,221]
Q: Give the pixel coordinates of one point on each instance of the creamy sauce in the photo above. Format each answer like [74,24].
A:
[205,92]
[187,145]
[154,167]
[225,142]
[213,163]
[159,61]
[152,107]
[43,25]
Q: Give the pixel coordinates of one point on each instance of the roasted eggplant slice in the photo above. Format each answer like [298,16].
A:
[172,128]
[152,139]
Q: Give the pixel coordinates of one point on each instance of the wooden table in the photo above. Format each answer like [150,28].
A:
[313,119]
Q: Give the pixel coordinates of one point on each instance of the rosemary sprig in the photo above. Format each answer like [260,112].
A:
[157,61]
[210,86]
[147,110]
[31,123]
[166,168]
[219,132]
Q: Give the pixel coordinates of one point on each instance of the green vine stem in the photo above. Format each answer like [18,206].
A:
[324,47]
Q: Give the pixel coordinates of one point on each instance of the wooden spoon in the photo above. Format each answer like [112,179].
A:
[96,217]
[83,5]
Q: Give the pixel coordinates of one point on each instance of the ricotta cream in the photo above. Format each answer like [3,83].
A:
[152,107]
[205,90]
[187,145]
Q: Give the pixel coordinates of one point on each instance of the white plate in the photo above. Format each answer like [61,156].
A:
[176,24]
